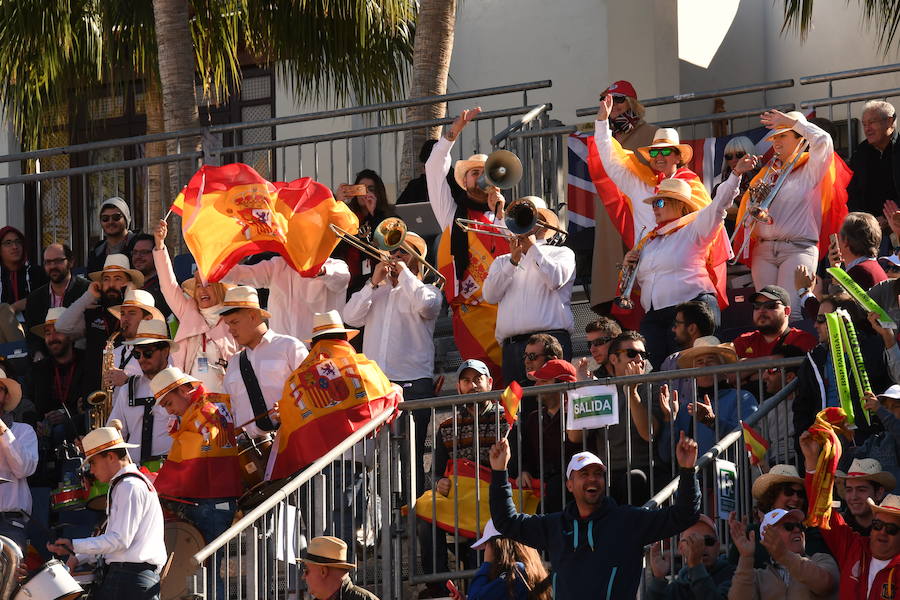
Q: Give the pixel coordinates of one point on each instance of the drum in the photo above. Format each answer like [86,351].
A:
[253,454]
[97,496]
[52,582]
[258,494]
[183,540]
[85,579]
[68,497]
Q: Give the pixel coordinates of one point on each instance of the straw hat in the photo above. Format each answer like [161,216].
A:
[490,532]
[777,474]
[327,551]
[545,213]
[13,392]
[242,296]
[168,379]
[890,505]
[103,439]
[668,138]
[870,469]
[464,166]
[52,316]
[141,299]
[330,322]
[708,344]
[794,114]
[415,240]
[152,331]
[674,188]
[118,263]
[189,285]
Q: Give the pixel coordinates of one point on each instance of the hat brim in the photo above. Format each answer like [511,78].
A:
[775,132]
[883,509]
[725,351]
[187,379]
[464,166]
[13,393]
[351,333]
[116,311]
[189,286]
[137,278]
[325,562]
[481,542]
[39,330]
[767,480]
[883,478]
[92,453]
[686,152]
[227,309]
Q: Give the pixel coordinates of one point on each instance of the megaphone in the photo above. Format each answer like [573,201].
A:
[502,169]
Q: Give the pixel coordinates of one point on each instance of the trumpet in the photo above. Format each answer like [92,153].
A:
[522,219]
[626,283]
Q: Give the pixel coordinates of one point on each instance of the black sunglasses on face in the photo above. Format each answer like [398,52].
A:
[737,155]
[599,342]
[889,528]
[770,305]
[632,353]
[618,99]
[148,353]
[532,355]
[792,491]
[792,525]
[108,218]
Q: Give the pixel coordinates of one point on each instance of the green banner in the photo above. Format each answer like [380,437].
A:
[842,380]
[851,343]
[861,296]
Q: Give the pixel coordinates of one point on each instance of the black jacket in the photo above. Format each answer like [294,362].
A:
[876,177]
[39,303]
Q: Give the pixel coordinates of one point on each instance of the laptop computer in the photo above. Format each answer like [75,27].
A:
[419,217]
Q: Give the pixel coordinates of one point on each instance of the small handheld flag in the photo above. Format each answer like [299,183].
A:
[510,400]
[755,444]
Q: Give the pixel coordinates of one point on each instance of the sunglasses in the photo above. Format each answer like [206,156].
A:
[114,217]
[532,355]
[654,152]
[148,353]
[770,305]
[619,99]
[659,202]
[737,155]
[790,492]
[889,528]
[820,319]
[792,525]
[599,342]
[632,353]
[709,540]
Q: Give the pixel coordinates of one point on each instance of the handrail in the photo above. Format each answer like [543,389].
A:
[858,97]
[691,96]
[292,486]
[726,441]
[849,74]
[122,164]
[275,121]
[664,376]
[524,120]
[545,132]
[734,114]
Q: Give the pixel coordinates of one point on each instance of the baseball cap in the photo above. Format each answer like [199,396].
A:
[473,364]
[774,292]
[490,532]
[776,515]
[556,369]
[890,259]
[581,460]
[622,87]
[892,392]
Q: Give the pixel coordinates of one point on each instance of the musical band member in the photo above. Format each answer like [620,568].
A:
[464,258]
[204,344]
[137,307]
[143,423]
[18,460]
[532,288]
[132,545]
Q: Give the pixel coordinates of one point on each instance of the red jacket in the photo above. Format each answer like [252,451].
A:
[851,551]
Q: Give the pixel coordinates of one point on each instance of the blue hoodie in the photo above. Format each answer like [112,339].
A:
[599,557]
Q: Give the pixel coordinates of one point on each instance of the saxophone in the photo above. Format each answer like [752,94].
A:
[101,400]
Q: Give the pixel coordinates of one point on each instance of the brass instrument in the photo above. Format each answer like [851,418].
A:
[626,282]
[522,219]
[502,169]
[101,400]
[10,557]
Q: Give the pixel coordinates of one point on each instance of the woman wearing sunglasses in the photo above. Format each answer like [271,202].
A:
[737,148]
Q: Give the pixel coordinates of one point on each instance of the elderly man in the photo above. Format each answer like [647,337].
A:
[875,171]
[326,571]
[18,460]
[705,575]
[771,309]
[61,291]
[599,334]
[115,221]
[864,479]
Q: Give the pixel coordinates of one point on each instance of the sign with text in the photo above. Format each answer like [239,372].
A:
[592,407]
[726,485]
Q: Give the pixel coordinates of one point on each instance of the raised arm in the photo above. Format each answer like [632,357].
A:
[556,265]
[499,278]
[71,321]
[711,216]
[531,530]
[168,285]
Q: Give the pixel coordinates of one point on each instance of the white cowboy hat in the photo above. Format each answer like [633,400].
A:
[890,505]
[152,331]
[330,322]
[168,379]
[103,439]
[242,296]
[870,469]
[794,114]
[327,551]
[415,240]
[674,188]
[464,166]
[777,474]
[668,138]
[141,299]
[118,263]
[52,316]
[13,392]
[708,344]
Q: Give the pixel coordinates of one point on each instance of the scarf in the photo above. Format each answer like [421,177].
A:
[624,122]
[211,314]
[459,239]
[828,422]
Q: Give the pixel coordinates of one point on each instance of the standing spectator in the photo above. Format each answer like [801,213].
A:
[599,334]
[142,260]
[417,189]
[18,277]
[737,148]
[874,166]
[706,575]
[61,291]
[532,288]
[864,479]
[771,309]
[18,460]
[115,221]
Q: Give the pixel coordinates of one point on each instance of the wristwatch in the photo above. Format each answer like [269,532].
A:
[802,292]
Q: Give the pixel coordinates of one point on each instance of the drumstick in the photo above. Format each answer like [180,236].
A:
[165,569]
[174,499]
[257,417]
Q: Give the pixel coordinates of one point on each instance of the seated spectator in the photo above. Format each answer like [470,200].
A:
[326,571]
[539,350]
[875,174]
[771,309]
[737,148]
[693,320]
[864,479]
[599,334]
[883,445]
[706,575]
[142,260]
[868,563]
[115,220]
[779,429]
[891,265]
[790,573]
[18,277]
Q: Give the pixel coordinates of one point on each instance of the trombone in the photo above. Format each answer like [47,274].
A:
[522,219]
[389,235]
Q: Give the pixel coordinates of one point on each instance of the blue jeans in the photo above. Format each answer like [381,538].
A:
[211,516]
[656,327]
[353,505]
[131,583]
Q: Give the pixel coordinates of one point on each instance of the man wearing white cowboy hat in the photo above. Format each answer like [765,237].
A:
[18,460]
[255,376]
[532,288]
[132,545]
[138,306]
[145,424]
[115,219]
[326,571]
[465,257]
[864,479]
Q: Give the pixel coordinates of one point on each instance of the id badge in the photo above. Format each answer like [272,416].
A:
[202,364]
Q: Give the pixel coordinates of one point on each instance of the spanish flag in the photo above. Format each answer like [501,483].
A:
[230,212]
[755,444]
[468,489]
[333,393]
[510,400]
[203,461]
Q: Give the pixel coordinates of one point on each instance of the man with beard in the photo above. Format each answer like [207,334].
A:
[89,315]
[115,219]
[142,260]
[771,309]
[61,291]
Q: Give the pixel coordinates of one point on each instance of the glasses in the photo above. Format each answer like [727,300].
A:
[632,353]
[148,353]
[659,202]
[820,319]
[532,355]
[113,217]
[619,99]
[792,525]
[11,243]
[889,528]
[770,305]
[737,155]
[654,152]
[790,492]
[598,342]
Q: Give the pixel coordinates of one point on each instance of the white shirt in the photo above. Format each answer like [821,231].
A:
[672,267]
[122,355]
[132,418]
[534,295]
[404,315]
[18,460]
[294,299]
[439,194]
[273,360]
[134,530]
[875,565]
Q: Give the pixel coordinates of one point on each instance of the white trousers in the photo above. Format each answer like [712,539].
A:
[774,263]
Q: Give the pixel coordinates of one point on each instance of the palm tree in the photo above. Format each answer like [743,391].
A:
[885,14]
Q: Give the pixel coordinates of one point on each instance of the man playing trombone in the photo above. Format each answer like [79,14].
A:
[532,287]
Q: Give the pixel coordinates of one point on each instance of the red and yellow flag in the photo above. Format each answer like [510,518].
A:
[755,443]
[827,423]
[510,400]
[230,212]
[333,393]
[203,461]
[468,489]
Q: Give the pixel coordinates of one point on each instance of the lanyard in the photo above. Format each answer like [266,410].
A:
[62,388]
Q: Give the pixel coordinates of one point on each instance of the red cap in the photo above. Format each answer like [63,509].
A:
[557,370]
[622,87]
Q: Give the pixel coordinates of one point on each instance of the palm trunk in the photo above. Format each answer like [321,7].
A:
[431,65]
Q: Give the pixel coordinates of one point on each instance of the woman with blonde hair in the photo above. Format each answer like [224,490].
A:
[737,148]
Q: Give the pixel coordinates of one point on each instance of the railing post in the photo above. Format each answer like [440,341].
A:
[252,563]
[211,146]
[385,465]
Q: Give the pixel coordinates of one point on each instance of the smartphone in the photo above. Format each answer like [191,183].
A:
[833,239]
[454,591]
[352,191]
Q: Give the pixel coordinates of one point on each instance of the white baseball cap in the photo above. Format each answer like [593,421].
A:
[490,532]
[774,516]
[581,460]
